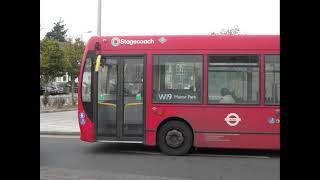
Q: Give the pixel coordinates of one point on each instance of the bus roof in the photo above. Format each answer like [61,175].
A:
[201,42]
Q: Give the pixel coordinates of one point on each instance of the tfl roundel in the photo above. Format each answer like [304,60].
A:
[232,119]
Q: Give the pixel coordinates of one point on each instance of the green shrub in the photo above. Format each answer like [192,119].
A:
[59,102]
[45,99]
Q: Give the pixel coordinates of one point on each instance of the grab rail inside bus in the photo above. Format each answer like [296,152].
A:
[108,104]
[126,105]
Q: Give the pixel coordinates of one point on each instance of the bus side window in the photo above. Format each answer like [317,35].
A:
[177,78]
[237,73]
[272,79]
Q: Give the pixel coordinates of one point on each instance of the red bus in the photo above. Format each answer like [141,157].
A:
[179,92]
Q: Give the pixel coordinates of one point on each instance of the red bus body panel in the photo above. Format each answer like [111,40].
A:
[207,121]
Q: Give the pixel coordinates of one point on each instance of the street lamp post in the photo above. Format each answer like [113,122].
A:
[99,18]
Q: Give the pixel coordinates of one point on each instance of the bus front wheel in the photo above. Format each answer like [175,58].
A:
[175,138]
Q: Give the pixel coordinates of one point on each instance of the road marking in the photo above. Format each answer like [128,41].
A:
[61,136]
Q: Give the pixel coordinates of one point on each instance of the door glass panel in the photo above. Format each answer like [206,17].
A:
[107,97]
[133,97]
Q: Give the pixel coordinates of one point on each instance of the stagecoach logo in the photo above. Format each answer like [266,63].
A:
[232,119]
[117,41]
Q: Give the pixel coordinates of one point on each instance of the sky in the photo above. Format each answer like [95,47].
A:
[160,17]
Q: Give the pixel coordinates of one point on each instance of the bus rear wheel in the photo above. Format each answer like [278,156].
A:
[175,138]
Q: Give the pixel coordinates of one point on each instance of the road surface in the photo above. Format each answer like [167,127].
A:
[69,158]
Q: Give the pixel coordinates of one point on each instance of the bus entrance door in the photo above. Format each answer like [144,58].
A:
[119,94]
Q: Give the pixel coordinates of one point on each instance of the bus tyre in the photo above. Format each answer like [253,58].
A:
[175,138]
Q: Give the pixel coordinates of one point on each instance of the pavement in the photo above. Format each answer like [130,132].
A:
[59,123]
[43,110]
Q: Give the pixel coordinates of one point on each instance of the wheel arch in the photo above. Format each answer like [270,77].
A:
[175,118]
